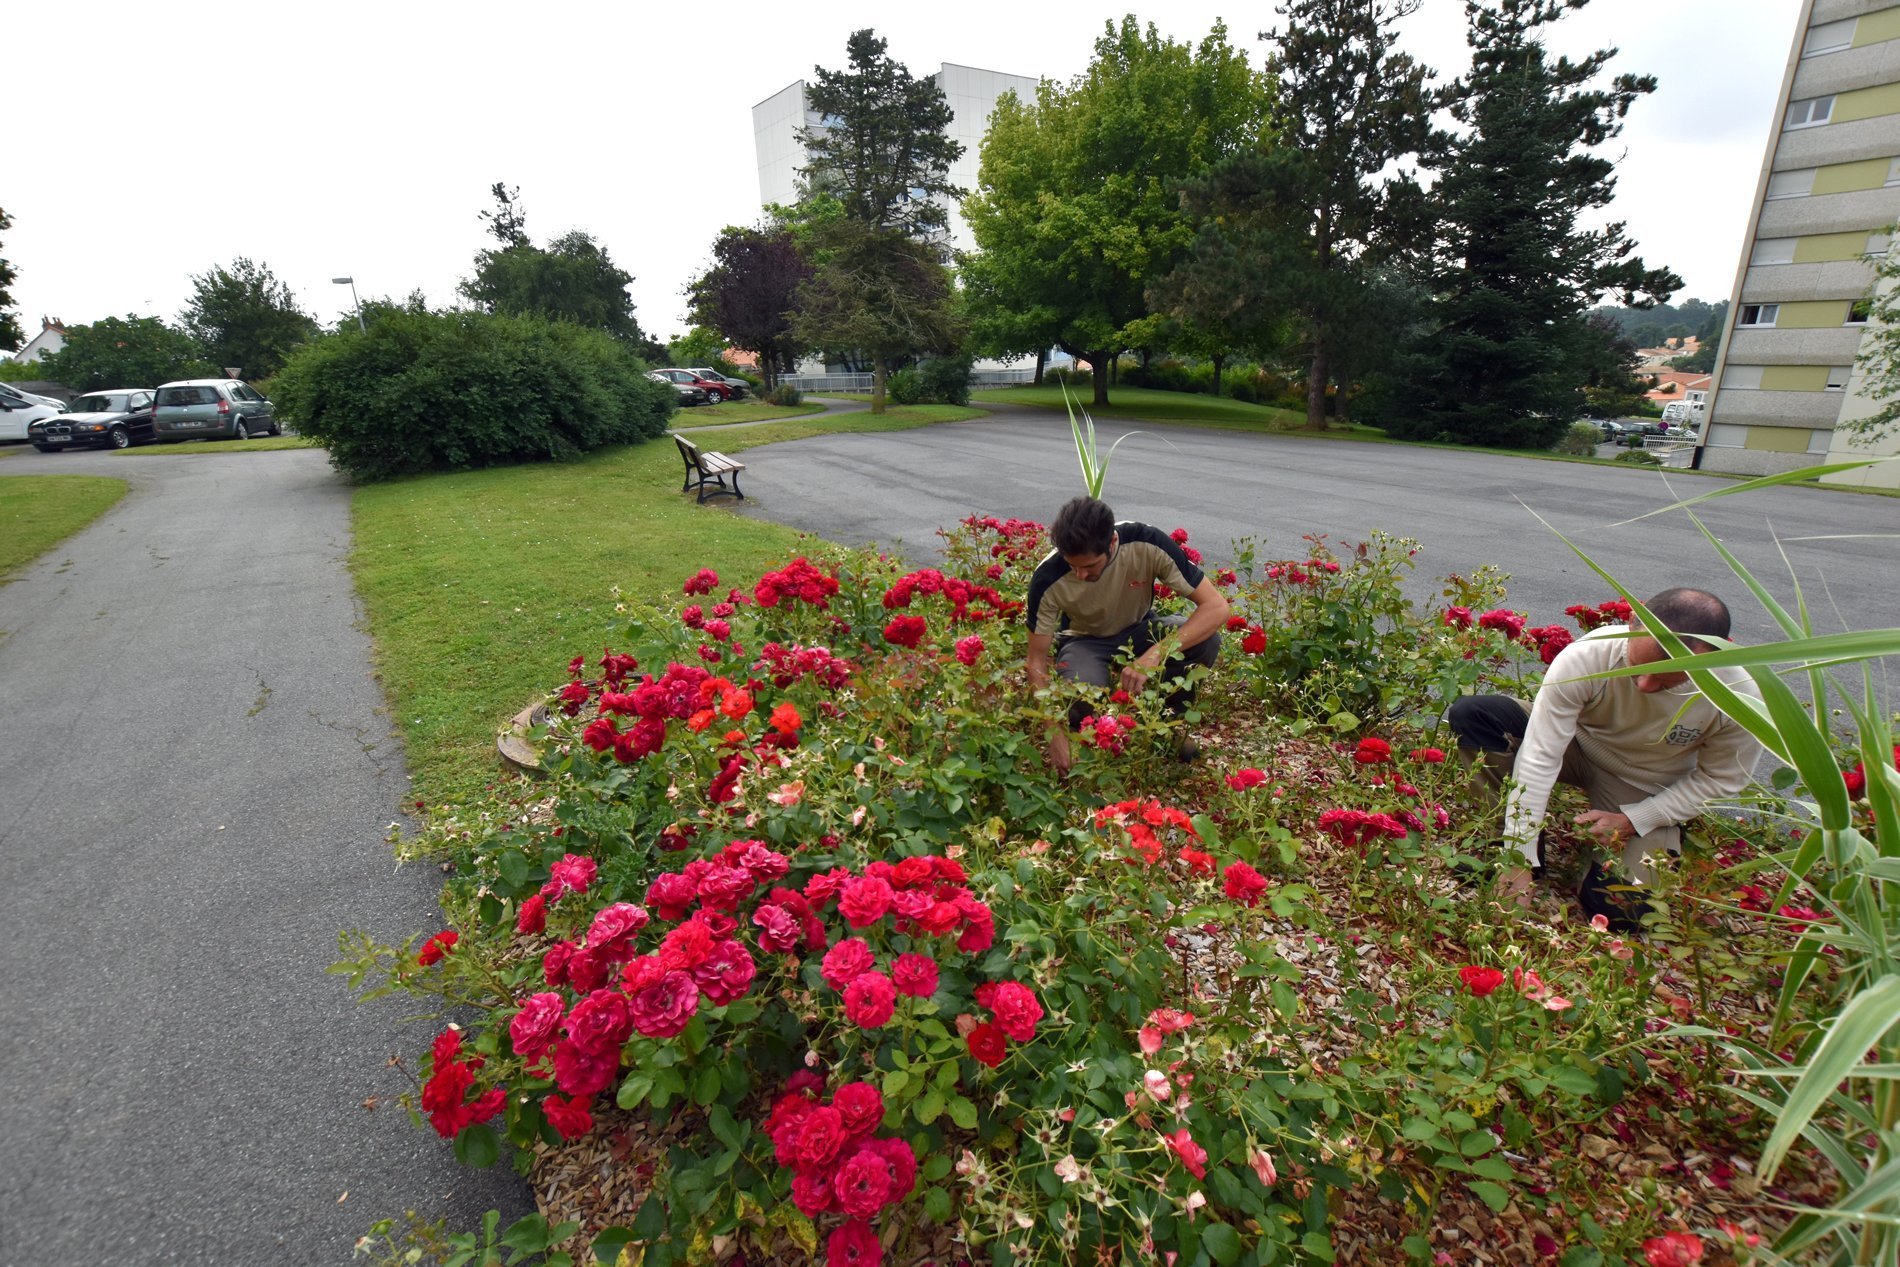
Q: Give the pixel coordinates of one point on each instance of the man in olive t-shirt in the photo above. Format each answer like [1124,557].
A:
[1096,592]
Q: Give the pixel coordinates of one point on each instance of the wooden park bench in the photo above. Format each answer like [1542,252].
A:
[707,471]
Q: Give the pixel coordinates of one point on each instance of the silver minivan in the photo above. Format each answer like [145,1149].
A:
[212,408]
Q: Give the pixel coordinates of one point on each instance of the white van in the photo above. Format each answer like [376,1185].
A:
[18,411]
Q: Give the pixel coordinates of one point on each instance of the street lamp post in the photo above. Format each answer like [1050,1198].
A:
[351,283]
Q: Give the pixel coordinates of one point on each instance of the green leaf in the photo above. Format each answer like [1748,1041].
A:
[962,1112]
[725,1128]
[527,1234]
[706,1085]
[650,1223]
[1221,1242]
[1494,1168]
[634,1091]
[1574,1080]
[929,1107]
[1871,1013]
[1583,1256]
[1477,1143]
[514,868]
[937,1205]
[1491,1194]
[894,1083]
[478,1146]
[937,1167]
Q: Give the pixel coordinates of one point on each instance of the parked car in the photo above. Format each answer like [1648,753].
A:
[716,388]
[1625,431]
[218,408]
[120,418]
[18,413]
[688,394]
[738,385]
[8,389]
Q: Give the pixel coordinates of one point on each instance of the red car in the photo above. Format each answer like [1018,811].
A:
[718,389]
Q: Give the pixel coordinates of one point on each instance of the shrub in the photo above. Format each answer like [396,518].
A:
[1581,440]
[450,391]
[1639,457]
[945,379]
[905,387]
[784,394]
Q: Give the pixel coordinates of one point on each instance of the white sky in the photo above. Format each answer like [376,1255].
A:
[152,141]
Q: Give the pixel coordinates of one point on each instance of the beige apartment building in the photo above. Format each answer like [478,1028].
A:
[1829,195]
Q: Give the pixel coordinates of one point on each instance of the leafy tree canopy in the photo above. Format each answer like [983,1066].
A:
[749,294]
[1077,206]
[573,280]
[244,318]
[11,336]
[878,294]
[881,150]
[1515,270]
[1880,353]
[126,351]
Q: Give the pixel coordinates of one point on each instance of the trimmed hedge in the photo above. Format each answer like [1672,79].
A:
[452,391]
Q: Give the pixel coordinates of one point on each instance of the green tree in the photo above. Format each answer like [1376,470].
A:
[573,280]
[1880,352]
[882,149]
[878,294]
[127,351]
[1607,357]
[11,336]
[749,293]
[244,318]
[1077,205]
[1515,271]
[1303,227]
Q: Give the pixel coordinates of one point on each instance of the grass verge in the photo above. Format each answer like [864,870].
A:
[741,411]
[37,512]
[1143,404]
[261,444]
[896,418]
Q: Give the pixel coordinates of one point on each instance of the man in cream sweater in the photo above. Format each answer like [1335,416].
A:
[1648,749]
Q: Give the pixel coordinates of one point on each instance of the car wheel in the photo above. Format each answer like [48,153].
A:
[276,428]
[240,431]
[119,438]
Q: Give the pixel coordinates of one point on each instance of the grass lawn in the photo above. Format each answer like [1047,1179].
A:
[741,411]
[1142,404]
[261,444]
[480,585]
[37,512]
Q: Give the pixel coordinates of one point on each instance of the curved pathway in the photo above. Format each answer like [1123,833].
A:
[198,781]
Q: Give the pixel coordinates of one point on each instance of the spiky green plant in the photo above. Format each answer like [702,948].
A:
[1094,469]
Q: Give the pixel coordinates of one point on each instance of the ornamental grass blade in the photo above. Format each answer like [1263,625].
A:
[1749,486]
[1867,1018]
[1094,469]
[1877,759]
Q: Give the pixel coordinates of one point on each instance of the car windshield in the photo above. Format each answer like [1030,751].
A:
[187,395]
[99,405]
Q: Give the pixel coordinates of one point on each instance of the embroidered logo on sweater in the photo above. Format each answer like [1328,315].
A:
[1683,735]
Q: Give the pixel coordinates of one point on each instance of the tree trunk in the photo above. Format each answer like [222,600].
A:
[1316,389]
[1042,360]
[877,385]
[1220,360]
[1103,368]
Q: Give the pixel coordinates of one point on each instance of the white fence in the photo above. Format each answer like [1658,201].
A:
[822,383]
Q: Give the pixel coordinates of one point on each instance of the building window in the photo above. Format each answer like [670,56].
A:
[1747,377]
[1760,315]
[1795,184]
[1858,312]
[1829,37]
[1810,112]
[1837,377]
[1773,251]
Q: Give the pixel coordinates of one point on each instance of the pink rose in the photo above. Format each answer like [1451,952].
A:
[779,929]
[1192,1155]
[915,975]
[534,1028]
[864,900]
[854,1245]
[1016,1008]
[870,999]
[726,973]
[672,895]
[602,1021]
[533,917]
[861,1107]
[572,874]
[610,936]
[847,961]
[667,1007]
[862,1184]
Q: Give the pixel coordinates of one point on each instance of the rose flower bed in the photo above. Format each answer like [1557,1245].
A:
[801,937]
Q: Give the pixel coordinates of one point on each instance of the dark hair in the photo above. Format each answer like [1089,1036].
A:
[1083,526]
[1691,613]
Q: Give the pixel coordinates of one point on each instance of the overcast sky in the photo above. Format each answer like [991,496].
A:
[152,141]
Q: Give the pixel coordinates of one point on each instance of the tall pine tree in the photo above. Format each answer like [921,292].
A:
[1516,271]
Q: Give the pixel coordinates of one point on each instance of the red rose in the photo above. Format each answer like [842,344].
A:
[534,915]
[785,718]
[862,1184]
[570,1117]
[969,649]
[583,1071]
[1255,643]
[979,928]
[1372,751]
[1016,1008]
[1192,1155]
[864,900]
[905,631]
[1480,981]
[1243,884]
[554,963]
[869,1000]
[726,973]
[902,1164]
[860,1106]
[666,1007]
[915,975]
[821,1136]
[535,1026]
[572,874]
[437,946]
[1430,756]
[847,961]
[686,947]
[1458,617]
[603,1021]
[613,929]
[812,1194]
[1856,781]
[854,1245]
[1241,780]
[1673,1249]
[779,929]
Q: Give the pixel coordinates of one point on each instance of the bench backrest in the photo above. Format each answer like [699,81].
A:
[688,450]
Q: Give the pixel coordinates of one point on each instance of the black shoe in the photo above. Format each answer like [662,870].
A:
[1188,749]
[1615,901]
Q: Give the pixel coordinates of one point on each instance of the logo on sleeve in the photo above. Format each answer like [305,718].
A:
[1683,735]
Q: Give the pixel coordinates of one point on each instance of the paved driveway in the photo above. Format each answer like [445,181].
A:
[197,778]
[898,488]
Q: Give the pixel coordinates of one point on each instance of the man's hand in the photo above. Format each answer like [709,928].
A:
[1514,884]
[1059,756]
[1136,672]
[1608,826]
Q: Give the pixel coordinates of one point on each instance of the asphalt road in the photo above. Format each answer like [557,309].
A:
[897,489]
[197,780]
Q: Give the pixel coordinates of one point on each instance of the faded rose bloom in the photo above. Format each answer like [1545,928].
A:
[869,1000]
[1262,1162]
[846,961]
[1155,1083]
[1192,1155]
[534,1027]
[1068,1169]
[1149,1039]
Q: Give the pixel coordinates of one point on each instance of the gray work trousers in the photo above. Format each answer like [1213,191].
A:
[1089,659]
